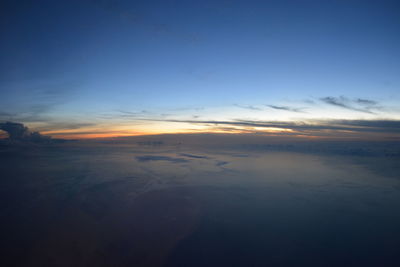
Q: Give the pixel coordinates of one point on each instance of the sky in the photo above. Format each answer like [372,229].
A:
[99,68]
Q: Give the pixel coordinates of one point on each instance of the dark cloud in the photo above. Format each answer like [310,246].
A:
[193,156]
[299,110]
[15,130]
[158,158]
[19,132]
[221,163]
[359,104]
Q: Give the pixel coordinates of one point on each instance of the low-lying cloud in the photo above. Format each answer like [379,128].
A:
[19,132]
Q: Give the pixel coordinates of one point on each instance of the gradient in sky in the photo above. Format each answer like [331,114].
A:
[104,68]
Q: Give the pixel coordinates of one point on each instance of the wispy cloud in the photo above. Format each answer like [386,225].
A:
[388,126]
[126,113]
[33,113]
[298,110]
[366,102]
[250,107]
[40,100]
[359,104]
[57,126]
[187,108]
[193,156]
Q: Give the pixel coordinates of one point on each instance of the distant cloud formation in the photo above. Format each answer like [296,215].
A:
[316,127]
[299,110]
[260,121]
[19,132]
[359,104]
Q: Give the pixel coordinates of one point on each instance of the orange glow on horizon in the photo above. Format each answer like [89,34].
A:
[114,131]
[100,133]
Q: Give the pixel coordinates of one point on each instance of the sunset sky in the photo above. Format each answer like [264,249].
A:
[99,68]
[198,133]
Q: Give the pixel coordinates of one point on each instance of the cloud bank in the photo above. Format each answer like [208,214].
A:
[21,133]
[310,127]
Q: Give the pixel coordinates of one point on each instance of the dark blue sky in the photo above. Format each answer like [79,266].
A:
[87,62]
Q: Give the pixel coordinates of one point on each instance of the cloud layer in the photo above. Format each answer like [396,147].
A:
[311,126]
